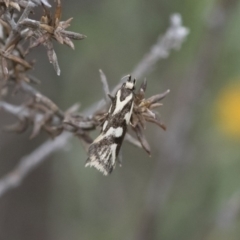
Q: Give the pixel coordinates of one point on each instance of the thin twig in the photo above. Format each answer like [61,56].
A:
[14,110]
[26,11]
[173,39]
[30,162]
[41,98]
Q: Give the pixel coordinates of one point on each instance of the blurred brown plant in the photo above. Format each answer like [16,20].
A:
[142,113]
[26,31]
[39,111]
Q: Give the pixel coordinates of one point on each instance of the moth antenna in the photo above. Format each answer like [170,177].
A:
[127,76]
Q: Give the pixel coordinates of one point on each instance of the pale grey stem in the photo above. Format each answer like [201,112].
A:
[173,39]
[17,27]
[14,110]
[41,98]
[26,11]
[30,162]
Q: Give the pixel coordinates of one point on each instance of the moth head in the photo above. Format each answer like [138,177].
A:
[130,83]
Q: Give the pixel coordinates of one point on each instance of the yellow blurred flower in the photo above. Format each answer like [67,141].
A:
[228,110]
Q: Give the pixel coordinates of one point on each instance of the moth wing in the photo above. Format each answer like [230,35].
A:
[102,155]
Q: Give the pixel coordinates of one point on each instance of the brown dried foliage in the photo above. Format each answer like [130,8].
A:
[39,111]
[143,112]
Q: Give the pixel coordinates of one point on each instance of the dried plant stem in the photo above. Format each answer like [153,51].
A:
[41,98]
[30,162]
[14,110]
[173,39]
[26,11]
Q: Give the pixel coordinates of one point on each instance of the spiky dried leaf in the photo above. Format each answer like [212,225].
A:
[142,139]
[53,57]
[158,97]
[16,59]
[15,5]
[129,138]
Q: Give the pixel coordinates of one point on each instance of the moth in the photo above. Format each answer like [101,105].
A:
[104,150]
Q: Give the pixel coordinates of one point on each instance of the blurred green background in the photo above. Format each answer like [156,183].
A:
[190,187]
